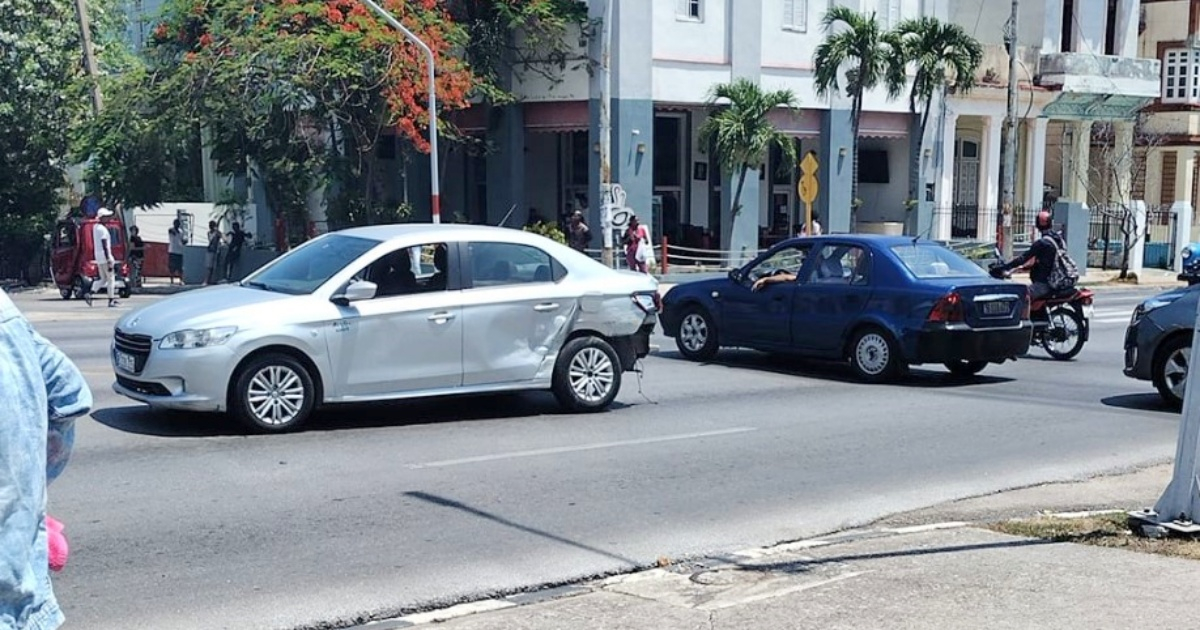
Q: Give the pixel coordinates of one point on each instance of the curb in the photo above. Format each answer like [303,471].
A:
[721,561]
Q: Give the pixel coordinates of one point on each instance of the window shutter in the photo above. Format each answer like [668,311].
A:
[789,13]
[681,7]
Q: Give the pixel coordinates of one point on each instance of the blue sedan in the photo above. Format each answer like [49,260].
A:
[882,302]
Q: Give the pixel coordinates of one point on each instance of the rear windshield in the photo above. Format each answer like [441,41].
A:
[929,260]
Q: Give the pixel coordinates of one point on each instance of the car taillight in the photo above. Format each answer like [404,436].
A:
[948,309]
[90,269]
[1027,310]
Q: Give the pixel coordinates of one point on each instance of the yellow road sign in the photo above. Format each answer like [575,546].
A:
[809,164]
[808,188]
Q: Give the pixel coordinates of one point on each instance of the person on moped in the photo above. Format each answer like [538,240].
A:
[1042,258]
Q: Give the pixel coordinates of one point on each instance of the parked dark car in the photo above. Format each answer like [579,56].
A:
[1190,263]
[881,302]
[1158,342]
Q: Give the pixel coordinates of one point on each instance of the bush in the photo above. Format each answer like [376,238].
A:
[549,230]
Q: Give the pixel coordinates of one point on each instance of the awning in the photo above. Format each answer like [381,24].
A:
[884,125]
[557,117]
[801,123]
[1088,106]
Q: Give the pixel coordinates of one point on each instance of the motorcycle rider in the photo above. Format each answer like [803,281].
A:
[1041,254]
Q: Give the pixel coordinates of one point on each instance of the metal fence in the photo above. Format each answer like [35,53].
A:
[1106,237]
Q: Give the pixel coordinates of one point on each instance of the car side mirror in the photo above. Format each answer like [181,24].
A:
[358,291]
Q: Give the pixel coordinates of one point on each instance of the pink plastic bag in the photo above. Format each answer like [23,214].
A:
[58,544]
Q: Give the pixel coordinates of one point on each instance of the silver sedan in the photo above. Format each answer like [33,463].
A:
[390,312]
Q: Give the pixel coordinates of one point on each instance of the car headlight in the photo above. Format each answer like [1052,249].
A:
[647,302]
[185,339]
[1187,252]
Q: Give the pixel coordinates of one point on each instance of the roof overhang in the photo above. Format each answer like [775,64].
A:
[1086,106]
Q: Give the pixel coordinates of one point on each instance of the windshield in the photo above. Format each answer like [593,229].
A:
[307,267]
[928,260]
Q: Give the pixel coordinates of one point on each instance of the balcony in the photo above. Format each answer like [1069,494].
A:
[1093,87]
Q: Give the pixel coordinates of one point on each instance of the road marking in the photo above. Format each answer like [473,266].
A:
[576,449]
[454,612]
[917,529]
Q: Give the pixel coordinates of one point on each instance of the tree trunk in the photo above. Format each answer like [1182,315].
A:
[855,113]
[735,206]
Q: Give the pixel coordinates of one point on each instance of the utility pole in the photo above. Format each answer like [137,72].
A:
[435,200]
[606,134]
[1009,185]
[89,54]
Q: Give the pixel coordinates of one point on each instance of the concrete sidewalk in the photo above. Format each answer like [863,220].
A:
[896,575]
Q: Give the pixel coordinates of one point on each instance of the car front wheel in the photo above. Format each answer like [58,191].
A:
[1170,369]
[587,376]
[697,336]
[273,393]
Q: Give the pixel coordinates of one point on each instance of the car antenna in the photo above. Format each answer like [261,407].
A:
[924,234]
[505,219]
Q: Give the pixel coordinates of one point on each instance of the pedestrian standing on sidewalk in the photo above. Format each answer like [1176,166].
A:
[43,392]
[578,233]
[176,241]
[210,253]
[637,246]
[105,261]
[137,256]
[237,239]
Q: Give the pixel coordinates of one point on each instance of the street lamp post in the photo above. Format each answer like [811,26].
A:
[435,187]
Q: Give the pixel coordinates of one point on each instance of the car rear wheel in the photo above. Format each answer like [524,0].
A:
[81,287]
[1171,368]
[697,336]
[874,356]
[965,368]
[67,293]
[273,393]
[124,293]
[587,376]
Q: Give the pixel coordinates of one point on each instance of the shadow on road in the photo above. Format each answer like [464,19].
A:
[801,566]
[463,507]
[1141,402]
[142,421]
[920,377]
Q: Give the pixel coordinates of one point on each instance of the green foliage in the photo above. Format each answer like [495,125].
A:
[548,230]
[740,130]
[39,100]
[871,58]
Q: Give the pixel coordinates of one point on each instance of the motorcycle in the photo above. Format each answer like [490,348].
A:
[1061,321]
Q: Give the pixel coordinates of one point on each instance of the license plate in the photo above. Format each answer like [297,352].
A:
[992,309]
[126,362]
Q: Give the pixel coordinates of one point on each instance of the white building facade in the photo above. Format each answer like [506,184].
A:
[1078,61]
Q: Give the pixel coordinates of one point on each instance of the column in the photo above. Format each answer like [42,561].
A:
[1035,161]
[739,234]
[837,171]
[1052,31]
[1183,208]
[505,169]
[944,191]
[1077,178]
[633,107]
[989,177]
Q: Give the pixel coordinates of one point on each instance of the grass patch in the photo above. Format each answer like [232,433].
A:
[1108,530]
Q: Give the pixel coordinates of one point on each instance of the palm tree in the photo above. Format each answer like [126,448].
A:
[942,54]
[740,131]
[870,55]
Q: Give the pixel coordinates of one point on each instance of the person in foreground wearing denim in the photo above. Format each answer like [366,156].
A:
[42,392]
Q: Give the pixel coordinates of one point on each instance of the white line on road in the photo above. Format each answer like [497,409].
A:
[575,449]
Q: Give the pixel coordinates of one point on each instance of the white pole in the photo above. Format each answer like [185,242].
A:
[606,134]
[435,185]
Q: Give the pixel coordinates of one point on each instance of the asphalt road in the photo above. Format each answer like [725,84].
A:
[181,521]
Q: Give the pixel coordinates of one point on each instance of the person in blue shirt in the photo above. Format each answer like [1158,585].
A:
[43,391]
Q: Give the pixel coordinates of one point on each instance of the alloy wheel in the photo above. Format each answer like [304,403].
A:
[693,332]
[1175,371]
[591,373]
[276,395]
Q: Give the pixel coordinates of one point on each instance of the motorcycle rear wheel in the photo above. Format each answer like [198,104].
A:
[1063,340]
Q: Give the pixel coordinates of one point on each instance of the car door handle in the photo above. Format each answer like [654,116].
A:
[546,307]
[442,317]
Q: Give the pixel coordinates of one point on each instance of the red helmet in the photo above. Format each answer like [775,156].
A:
[1045,220]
